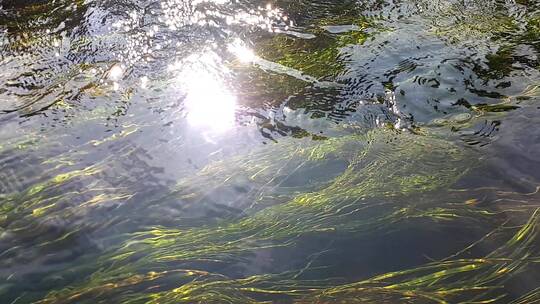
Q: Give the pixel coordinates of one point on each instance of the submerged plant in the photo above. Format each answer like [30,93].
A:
[363,199]
[456,280]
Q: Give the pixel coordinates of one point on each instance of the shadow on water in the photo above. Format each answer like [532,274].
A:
[215,151]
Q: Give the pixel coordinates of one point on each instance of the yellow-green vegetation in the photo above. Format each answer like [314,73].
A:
[533,28]
[371,195]
[485,26]
[47,197]
[312,58]
[389,178]
[457,280]
[318,56]
[256,87]
[38,15]
[477,21]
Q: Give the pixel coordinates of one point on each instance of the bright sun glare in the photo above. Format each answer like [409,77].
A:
[208,102]
[243,54]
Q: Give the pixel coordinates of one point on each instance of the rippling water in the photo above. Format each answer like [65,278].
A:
[243,151]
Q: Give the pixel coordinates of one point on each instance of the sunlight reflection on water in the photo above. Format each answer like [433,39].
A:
[243,53]
[208,103]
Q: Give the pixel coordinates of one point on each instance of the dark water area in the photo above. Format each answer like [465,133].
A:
[240,151]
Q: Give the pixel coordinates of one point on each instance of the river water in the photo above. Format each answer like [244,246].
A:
[245,151]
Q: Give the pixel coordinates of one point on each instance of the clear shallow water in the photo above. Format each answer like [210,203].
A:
[286,152]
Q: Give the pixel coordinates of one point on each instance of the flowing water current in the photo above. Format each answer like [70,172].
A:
[279,151]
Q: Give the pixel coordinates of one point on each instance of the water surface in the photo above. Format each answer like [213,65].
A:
[242,151]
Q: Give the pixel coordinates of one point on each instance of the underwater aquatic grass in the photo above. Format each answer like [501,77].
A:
[360,200]
[371,195]
[320,55]
[459,280]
